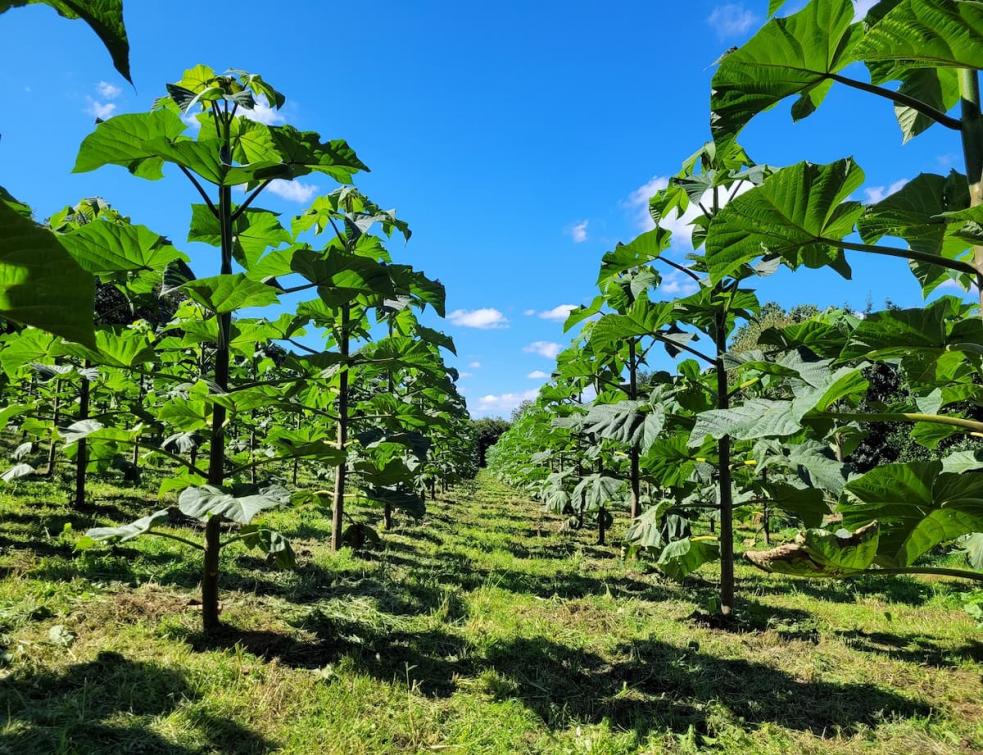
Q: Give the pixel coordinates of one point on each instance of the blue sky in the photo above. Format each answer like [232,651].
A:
[517,139]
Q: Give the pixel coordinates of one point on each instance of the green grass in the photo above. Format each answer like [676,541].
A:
[485,628]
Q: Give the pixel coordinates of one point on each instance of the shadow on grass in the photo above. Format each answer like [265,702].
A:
[893,589]
[660,686]
[106,706]
[912,648]
[646,686]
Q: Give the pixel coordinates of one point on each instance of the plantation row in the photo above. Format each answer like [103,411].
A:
[770,419]
[305,350]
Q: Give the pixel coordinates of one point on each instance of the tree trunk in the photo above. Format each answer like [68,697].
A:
[82,456]
[633,395]
[724,479]
[216,451]
[55,416]
[135,456]
[338,509]
[972,139]
[600,526]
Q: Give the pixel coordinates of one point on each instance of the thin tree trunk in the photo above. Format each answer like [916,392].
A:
[216,451]
[600,526]
[724,479]
[82,455]
[972,139]
[633,395]
[338,510]
[135,458]
[55,417]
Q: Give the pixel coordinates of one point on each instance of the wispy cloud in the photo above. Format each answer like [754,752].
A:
[731,20]
[293,191]
[503,403]
[578,231]
[537,375]
[108,91]
[486,318]
[546,349]
[262,112]
[876,194]
[679,225]
[100,107]
[559,313]
[676,283]
[100,110]
[638,201]
[475,365]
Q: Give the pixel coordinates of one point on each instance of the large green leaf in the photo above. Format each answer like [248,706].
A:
[656,527]
[129,531]
[104,17]
[936,87]
[227,293]
[270,542]
[768,418]
[917,505]
[303,152]
[925,34]
[40,283]
[254,231]
[104,248]
[796,214]
[683,557]
[208,501]
[914,213]
[807,503]
[115,347]
[127,140]
[597,490]
[788,56]
[634,423]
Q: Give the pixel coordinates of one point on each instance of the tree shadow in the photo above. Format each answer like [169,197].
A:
[912,648]
[106,706]
[655,685]
[429,661]
[893,589]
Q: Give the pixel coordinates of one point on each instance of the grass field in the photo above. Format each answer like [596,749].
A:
[485,628]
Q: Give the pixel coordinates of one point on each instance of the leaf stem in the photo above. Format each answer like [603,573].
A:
[901,99]
[204,195]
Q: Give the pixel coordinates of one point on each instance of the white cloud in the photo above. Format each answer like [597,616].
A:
[546,349]
[677,283]
[474,365]
[100,110]
[465,375]
[877,193]
[293,191]
[504,403]
[861,7]
[638,201]
[537,375]
[263,113]
[679,225]
[731,20]
[191,120]
[486,318]
[559,313]
[578,231]
[108,91]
